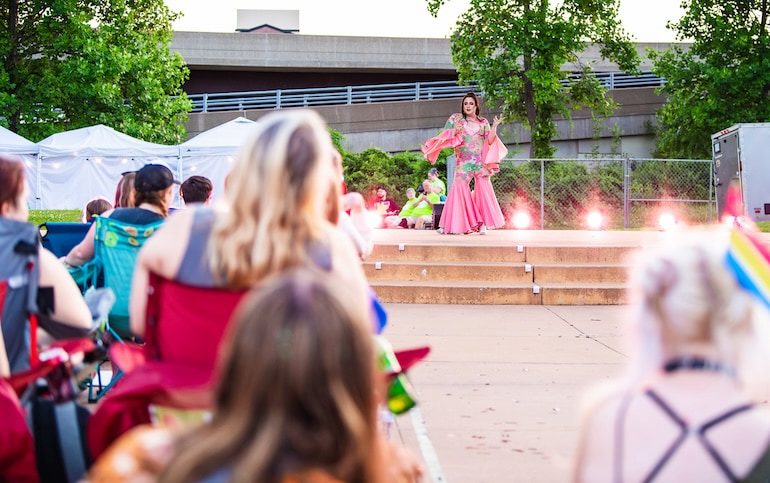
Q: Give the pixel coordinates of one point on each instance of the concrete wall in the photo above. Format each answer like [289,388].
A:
[291,52]
[226,62]
[238,51]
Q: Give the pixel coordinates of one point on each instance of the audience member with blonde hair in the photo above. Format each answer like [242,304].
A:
[276,216]
[687,409]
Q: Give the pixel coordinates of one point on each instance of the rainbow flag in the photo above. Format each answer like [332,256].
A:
[747,256]
[748,259]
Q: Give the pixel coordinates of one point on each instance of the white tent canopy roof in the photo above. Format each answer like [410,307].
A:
[12,143]
[225,139]
[101,140]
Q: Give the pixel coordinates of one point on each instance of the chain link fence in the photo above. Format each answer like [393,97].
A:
[631,193]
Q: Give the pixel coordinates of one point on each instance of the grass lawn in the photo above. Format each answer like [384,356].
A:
[41,216]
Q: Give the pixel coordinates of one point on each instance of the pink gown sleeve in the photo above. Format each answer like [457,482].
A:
[493,154]
[448,138]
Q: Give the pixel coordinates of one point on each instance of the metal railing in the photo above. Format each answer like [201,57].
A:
[347,95]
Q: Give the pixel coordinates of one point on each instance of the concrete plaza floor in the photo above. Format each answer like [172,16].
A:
[500,393]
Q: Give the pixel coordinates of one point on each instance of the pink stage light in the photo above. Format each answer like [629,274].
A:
[374,218]
[667,221]
[595,220]
[521,220]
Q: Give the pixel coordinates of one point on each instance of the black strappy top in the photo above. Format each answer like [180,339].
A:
[760,471]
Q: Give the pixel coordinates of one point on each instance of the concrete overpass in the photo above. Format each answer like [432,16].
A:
[223,62]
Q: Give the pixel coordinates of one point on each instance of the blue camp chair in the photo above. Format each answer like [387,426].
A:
[60,237]
[116,248]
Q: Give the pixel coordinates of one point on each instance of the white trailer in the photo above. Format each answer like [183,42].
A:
[741,156]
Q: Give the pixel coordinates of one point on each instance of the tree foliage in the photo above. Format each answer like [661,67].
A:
[67,64]
[367,170]
[723,79]
[515,50]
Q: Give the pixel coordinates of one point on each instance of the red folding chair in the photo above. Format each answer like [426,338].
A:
[184,327]
[17,448]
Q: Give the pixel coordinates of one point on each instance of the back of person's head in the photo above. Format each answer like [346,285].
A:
[278,198]
[124,191]
[296,388]
[689,304]
[152,185]
[196,189]
[95,207]
[11,180]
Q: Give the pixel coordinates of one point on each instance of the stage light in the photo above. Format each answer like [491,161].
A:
[521,220]
[729,220]
[595,220]
[667,221]
[374,218]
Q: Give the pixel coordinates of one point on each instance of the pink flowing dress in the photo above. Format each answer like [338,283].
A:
[476,159]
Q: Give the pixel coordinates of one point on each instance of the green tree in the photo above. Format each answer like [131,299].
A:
[515,50]
[723,79]
[67,64]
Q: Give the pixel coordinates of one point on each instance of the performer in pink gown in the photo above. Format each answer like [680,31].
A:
[478,152]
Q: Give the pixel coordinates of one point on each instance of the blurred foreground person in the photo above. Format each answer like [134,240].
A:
[34,286]
[296,399]
[686,411]
[275,216]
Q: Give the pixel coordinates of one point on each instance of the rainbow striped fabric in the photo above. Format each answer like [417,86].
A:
[747,256]
[748,259]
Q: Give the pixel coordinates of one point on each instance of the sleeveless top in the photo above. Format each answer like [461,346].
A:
[194,269]
[759,472]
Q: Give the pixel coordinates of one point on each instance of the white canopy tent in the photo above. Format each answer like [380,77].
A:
[12,143]
[79,165]
[211,153]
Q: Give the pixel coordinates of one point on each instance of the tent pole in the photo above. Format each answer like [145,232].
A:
[38,199]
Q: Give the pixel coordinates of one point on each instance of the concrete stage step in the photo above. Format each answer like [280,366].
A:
[435,271]
[504,267]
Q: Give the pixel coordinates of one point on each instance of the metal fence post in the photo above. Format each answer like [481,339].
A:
[278,98]
[542,194]
[711,192]
[205,102]
[626,178]
[350,95]
[417,91]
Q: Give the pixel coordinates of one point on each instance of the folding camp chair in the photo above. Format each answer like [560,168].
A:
[61,237]
[116,248]
[47,392]
[17,449]
[174,368]
[18,276]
